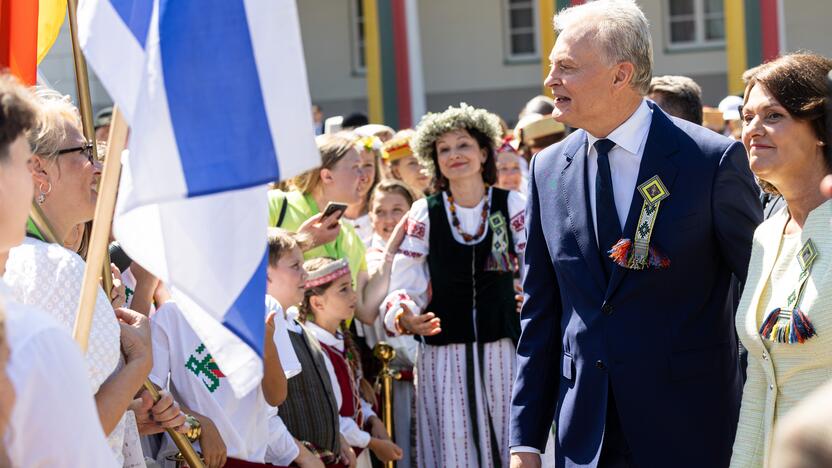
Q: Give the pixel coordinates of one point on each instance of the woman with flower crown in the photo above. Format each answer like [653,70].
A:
[452,284]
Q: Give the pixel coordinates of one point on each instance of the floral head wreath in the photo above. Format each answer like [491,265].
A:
[434,125]
[370,143]
[327,274]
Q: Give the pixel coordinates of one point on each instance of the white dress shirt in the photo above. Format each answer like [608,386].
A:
[630,139]
[625,160]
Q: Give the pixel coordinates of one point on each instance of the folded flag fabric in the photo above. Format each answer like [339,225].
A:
[217,99]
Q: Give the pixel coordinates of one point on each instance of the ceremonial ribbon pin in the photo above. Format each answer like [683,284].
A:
[789,324]
[639,254]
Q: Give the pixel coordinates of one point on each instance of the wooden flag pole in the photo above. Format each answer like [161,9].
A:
[98,257]
[82,86]
[100,229]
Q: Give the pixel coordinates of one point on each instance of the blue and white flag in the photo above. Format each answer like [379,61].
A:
[216,95]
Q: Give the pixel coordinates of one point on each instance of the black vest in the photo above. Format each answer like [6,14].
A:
[310,412]
[459,282]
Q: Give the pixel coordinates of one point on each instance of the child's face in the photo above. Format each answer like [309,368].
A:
[287,278]
[509,175]
[338,301]
[386,212]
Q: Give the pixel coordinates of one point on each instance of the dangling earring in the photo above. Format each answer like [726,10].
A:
[42,197]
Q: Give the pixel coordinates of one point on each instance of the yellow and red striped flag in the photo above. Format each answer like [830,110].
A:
[28,30]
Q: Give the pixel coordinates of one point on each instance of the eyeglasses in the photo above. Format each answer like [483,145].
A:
[85,149]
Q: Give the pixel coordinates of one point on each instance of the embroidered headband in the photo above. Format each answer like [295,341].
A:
[328,274]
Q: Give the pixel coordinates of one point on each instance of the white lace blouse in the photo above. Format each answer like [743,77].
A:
[49,277]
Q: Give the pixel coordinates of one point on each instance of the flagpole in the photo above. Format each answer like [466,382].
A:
[98,255]
[82,86]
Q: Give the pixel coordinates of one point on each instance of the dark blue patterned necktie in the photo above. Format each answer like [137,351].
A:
[609,229]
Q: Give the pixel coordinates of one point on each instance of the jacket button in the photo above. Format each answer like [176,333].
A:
[600,364]
[607,308]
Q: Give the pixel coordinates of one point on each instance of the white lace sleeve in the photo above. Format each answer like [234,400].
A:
[409,279]
[49,276]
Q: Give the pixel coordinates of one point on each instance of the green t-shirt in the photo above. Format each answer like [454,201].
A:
[301,207]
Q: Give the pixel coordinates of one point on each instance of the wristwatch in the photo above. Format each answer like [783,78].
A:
[194,428]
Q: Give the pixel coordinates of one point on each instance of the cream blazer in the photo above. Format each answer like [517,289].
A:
[781,375]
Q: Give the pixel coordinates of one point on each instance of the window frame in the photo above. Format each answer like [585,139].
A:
[508,31]
[699,21]
[357,40]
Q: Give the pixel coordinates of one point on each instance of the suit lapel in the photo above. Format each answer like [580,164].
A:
[657,160]
[574,192]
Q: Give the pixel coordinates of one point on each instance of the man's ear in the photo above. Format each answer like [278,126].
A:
[624,72]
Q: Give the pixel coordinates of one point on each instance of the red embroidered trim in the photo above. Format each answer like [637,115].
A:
[518,222]
[416,229]
[409,253]
[328,277]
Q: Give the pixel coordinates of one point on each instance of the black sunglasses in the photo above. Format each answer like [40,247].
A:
[85,149]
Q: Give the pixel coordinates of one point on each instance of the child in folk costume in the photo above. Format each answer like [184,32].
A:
[286,279]
[329,301]
[233,431]
[453,284]
[310,412]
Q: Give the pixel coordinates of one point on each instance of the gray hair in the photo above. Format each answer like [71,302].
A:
[622,30]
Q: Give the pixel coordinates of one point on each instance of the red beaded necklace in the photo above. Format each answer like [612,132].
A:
[455,221]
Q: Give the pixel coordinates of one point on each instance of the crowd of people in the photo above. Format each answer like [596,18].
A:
[627,278]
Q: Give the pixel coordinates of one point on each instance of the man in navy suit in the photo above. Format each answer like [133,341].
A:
[635,360]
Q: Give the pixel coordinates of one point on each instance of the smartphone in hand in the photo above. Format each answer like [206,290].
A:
[334,207]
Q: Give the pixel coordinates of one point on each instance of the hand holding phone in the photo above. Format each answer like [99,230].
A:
[334,207]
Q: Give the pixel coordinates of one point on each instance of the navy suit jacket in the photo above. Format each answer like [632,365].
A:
[662,340]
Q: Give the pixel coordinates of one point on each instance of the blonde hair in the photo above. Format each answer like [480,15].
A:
[333,148]
[49,133]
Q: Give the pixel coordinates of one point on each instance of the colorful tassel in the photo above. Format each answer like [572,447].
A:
[622,254]
[785,326]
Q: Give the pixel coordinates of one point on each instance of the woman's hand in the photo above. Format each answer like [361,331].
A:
[322,230]
[118,295]
[347,453]
[153,418]
[385,450]
[519,296]
[135,337]
[425,325]
[213,447]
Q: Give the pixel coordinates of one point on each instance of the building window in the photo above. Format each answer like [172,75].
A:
[359,65]
[695,23]
[521,29]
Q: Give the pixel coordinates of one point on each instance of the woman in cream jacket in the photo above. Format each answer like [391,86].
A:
[785,315]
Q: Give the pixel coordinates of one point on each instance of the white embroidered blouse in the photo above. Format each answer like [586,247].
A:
[410,279]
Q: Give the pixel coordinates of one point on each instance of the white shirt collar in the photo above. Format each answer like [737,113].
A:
[632,134]
[325,337]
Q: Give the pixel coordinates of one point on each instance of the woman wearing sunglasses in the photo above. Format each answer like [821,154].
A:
[47,275]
